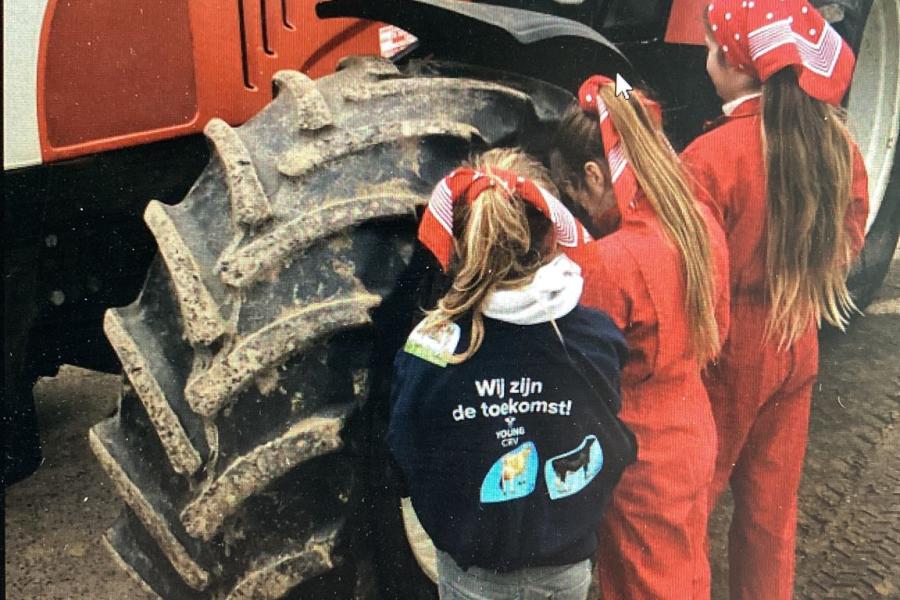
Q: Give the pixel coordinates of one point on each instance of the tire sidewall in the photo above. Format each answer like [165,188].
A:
[874,261]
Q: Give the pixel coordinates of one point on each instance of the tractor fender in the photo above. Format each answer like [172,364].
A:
[550,48]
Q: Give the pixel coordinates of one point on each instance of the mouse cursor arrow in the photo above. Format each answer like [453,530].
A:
[623,88]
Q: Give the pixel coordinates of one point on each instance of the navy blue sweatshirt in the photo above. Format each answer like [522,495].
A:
[510,457]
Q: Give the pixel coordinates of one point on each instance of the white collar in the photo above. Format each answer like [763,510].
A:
[729,107]
[553,293]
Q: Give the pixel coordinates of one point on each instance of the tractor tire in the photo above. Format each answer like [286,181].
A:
[247,444]
[873,113]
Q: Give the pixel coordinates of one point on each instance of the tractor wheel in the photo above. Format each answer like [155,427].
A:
[873,112]
[247,445]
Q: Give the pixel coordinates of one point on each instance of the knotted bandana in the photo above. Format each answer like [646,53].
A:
[625,185]
[436,227]
[764,36]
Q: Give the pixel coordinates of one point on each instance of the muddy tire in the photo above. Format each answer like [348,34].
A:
[247,443]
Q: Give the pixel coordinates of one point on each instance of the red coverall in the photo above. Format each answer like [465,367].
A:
[652,541]
[760,396]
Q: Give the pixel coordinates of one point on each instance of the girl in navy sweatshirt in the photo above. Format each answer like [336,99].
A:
[503,417]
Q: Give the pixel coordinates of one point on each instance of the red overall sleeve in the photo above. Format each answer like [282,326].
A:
[723,304]
[614,285]
[858,211]
[703,177]
[600,285]
[718,250]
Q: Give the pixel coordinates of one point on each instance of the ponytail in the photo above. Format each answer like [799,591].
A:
[503,241]
[662,180]
[808,179]
[659,175]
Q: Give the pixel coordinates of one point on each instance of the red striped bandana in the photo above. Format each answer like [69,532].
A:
[436,227]
[624,183]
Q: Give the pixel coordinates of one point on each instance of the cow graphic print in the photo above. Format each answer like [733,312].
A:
[513,475]
[571,472]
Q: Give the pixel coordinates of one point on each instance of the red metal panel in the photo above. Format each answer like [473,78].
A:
[309,44]
[114,67]
[194,64]
[685,22]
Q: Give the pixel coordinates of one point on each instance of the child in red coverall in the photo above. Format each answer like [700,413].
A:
[660,272]
[790,187]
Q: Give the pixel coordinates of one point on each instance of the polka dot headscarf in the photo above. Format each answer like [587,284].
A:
[764,36]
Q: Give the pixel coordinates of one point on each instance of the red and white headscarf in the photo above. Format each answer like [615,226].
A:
[436,227]
[625,185]
[765,36]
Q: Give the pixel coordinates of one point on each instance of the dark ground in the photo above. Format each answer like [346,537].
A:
[849,533]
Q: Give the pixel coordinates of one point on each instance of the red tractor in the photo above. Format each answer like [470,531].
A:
[105,105]
[256,356]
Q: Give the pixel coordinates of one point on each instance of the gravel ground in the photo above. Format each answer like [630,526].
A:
[849,533]
[55,518]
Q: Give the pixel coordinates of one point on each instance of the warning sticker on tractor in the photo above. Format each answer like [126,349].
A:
[394,40]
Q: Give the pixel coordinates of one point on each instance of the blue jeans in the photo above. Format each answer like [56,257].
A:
[564,582]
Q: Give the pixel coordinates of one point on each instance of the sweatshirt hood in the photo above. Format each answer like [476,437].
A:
[553,293]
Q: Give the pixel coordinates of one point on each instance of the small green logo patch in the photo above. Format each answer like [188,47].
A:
[433,345]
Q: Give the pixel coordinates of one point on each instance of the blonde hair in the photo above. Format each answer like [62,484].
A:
[808,179]
[500,241]
[660,176]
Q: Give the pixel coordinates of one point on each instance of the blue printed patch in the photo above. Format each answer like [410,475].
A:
[514,475]
[569,473]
